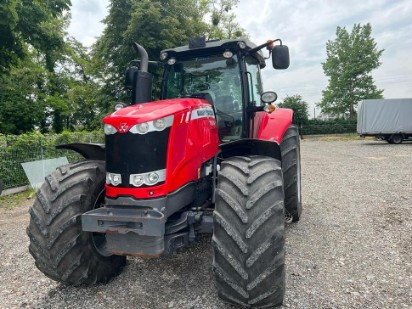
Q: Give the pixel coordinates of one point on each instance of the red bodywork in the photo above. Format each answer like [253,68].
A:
[272,127]
[191,142]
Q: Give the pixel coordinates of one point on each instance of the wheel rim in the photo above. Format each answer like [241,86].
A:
[99,239]
[397,139]
[288,217]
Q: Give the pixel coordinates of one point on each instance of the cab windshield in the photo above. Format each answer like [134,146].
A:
[216,79]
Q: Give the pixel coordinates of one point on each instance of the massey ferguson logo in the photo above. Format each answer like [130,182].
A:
[123,127]
[204,112]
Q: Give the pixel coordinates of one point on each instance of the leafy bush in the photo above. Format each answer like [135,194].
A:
[299,106]
[335,126]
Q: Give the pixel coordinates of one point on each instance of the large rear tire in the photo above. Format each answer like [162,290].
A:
[61,250]
[290,149]
[248,236]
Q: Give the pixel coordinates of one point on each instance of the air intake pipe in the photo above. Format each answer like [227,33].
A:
[144,57]
[139,80]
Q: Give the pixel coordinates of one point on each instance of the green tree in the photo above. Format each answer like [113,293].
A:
[28,22]
[21,104]
[299,106]
[49,81]
[351,57]
[31,46]
[157,25]
[223,24]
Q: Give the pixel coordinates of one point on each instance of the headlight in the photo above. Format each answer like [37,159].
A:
[151,126]
[143,128]
[109,129]
[149,179]
[159,124]
[269,97]
[242,45]
[171,61]
[152,178]
[137,180]
[228,54]
[163,56]
[113,179]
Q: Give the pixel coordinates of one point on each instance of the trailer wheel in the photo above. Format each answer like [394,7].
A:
[61,250]
[396,139]
[388,139]
[248,237]
[290,149]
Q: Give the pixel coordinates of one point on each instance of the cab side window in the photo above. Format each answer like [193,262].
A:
[254,80]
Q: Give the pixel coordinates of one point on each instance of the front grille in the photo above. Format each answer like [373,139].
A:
[129,153]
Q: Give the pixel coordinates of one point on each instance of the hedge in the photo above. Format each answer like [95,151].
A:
[336,126]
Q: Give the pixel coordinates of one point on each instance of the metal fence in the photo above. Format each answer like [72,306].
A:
[11,171]
[12,155]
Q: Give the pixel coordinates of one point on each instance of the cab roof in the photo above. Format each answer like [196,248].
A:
[212,46]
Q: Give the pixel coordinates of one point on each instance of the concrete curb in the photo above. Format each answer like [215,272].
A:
[15,190]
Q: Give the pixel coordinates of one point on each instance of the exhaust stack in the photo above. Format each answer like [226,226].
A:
[139,80]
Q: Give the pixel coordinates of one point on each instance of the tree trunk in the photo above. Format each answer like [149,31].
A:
[351,111]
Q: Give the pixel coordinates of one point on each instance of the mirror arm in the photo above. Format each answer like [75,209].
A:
[254,109]
[137,63]
[257,48]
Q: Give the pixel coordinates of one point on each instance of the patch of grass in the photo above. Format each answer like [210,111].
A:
[15,200]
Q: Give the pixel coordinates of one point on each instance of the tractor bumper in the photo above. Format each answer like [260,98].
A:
[137,226]
[129,231]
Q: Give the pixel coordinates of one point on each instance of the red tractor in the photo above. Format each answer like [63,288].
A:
[213,156]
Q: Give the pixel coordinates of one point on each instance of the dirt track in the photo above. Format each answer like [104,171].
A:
[352,248]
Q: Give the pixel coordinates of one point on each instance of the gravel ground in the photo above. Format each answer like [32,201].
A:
[351,249]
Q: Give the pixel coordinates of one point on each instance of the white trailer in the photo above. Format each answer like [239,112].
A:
[388,119]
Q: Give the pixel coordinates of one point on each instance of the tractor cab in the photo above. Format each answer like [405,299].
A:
[224,72]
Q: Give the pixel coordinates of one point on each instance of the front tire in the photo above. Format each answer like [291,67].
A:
[290,149]
[248,237]
[61,250]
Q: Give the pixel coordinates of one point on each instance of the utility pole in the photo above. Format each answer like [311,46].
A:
[314,113]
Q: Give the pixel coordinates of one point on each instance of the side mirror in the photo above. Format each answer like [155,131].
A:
[280,57]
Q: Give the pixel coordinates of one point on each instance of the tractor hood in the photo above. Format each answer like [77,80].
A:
[139,113]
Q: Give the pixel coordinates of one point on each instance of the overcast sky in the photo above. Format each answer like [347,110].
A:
[305,26]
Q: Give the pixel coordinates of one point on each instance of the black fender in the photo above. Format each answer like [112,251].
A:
[88,151]
[251,146]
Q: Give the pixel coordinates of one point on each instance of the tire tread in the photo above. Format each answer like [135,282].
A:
[248,254]
[59,247]
[290,150]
